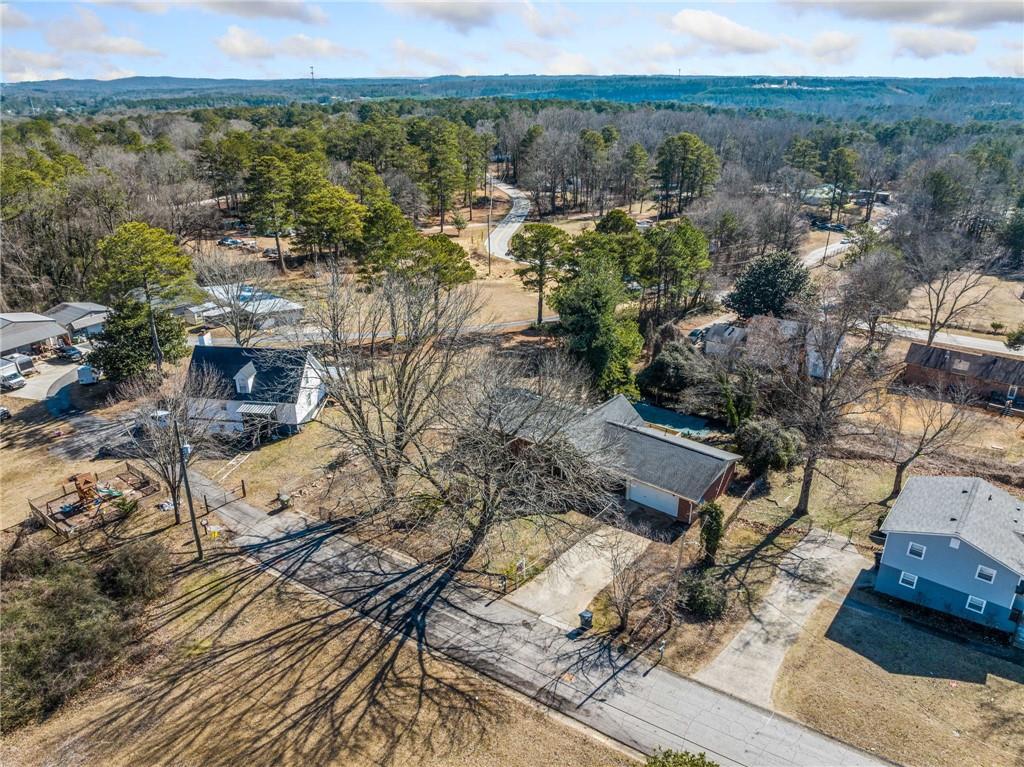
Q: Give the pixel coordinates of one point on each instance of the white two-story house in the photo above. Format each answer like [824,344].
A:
[265,391]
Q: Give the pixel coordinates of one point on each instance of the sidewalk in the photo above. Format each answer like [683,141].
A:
[620,696]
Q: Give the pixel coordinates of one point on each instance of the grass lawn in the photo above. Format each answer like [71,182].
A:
[1003,304]
[845,497]
[27,467]
[903,693]
[294,465]
[238,667]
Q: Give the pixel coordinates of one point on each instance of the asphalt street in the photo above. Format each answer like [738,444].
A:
[616,693]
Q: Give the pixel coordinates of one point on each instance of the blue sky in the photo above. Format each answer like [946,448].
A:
[253,39]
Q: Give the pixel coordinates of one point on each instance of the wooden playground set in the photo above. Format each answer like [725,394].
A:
[92,499]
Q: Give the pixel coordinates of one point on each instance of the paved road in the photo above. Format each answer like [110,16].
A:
[819,566]
[983,345]
[310,334]
[817,257]
[619,695]
[508,226]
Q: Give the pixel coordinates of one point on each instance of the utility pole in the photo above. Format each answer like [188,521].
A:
[183,453]
[312,77]
[490,207]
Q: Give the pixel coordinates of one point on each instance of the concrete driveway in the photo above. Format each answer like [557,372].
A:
[508,226]
[818,567]
[568,584]
[40,384]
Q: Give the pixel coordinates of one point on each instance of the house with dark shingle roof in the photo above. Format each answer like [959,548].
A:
[660,471]
[956,545]
[266,390]
[995,378]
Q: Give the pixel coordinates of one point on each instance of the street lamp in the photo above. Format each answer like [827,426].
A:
[184,451]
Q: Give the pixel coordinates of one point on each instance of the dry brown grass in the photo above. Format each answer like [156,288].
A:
[1003,304]
[903,693]
[27,467]
[238,667]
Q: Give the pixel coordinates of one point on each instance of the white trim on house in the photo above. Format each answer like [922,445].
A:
[973,600]
[911,548]
[905,576]
[983,571]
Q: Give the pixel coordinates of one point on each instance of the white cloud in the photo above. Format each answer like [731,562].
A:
[88,33]
[567,63]
[238,43]
[463,17]
[929,43]
[287,10]
[833,47]
[722,35]
[12,18]
[1009,64]
[650,59]
[243,44]
[114,73]
[20,65]
[142,6]
[405,52]
[550,21]
[971,14]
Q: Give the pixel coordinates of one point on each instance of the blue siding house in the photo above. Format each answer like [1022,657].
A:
[956,545]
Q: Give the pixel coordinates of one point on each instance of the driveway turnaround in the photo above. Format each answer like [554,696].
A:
[47,379]
[817,567]
[502,233]
[617,694]
[568,584]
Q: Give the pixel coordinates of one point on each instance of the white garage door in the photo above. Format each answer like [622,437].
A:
[653,498]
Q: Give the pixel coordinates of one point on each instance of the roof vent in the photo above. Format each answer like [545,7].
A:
[952,519]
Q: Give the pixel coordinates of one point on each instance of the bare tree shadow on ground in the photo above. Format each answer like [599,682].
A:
[308,690]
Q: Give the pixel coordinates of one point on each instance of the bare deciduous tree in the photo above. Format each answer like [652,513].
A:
[239,278]
[853,375]
[919,423]
[398,352]
[181,399]
[516,448]
[951,278]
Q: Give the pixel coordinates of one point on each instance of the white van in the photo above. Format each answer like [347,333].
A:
[10,378]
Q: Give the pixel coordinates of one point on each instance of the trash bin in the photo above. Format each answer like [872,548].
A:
[586,619]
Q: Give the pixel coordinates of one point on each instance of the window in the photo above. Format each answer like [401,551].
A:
[908,579]
[976,605]
[986,574]
[954,543]
[916,550]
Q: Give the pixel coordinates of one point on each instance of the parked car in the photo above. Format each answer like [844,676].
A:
[11,380]
[72,353]
[696,335]
[4,413]
[229,242]
[270,252]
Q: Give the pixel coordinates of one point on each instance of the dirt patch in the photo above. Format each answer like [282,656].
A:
[902,693]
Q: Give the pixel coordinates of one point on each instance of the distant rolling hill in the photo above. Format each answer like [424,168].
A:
[953,99]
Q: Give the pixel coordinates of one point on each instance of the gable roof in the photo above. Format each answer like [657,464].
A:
[278,371]
[680,466]
[74,312]
[986,367]
[19,329]
[981,514]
